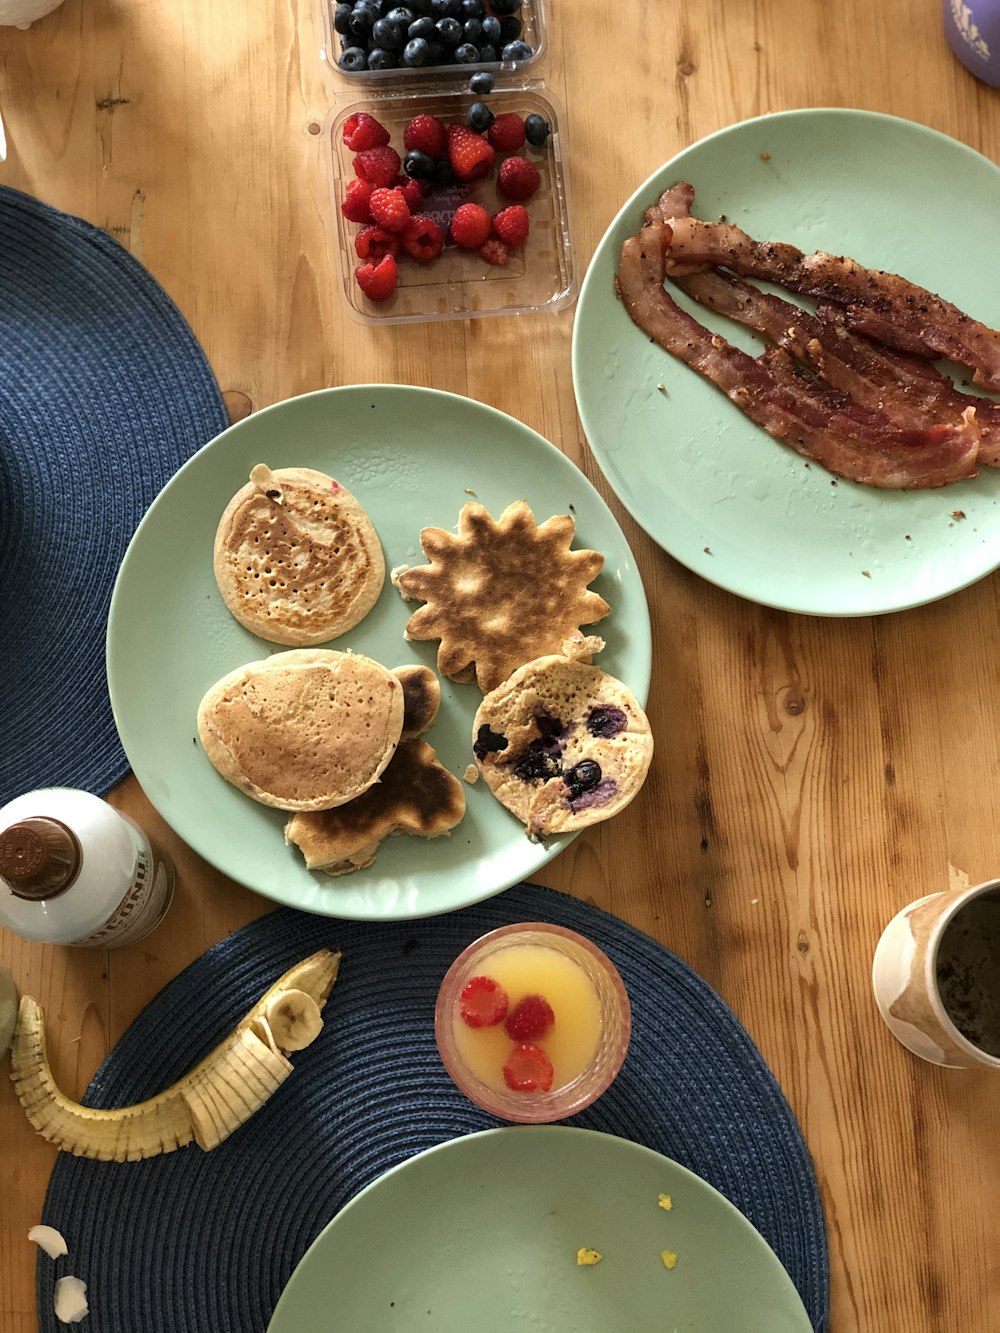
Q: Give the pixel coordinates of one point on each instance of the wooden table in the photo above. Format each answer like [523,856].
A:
[812,776]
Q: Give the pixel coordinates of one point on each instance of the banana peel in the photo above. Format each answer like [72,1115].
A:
[206,1105]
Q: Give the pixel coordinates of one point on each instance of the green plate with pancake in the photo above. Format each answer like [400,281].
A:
[412,457]
[482,1233]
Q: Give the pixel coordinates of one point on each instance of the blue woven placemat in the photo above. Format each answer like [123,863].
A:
[104,392]
[198,1242]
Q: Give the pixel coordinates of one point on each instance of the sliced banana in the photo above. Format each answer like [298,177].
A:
[206,1105]
[294,1019]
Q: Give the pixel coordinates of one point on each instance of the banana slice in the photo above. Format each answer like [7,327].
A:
[206,1105]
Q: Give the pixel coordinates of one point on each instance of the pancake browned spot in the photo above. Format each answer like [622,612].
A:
[297,560]
[500,592]
[303,730]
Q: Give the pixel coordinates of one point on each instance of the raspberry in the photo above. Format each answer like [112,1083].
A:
[512,225]
[413,192]
[363,131]
[379,166]
[470,226]
[426,134]
[528,1069]
[375,243]
[423,238]
[482,1003]
[529,1018]
[494,252]
[506,134]
[378,281]
[357,199]
[389,209]
[518,178]
[470,155]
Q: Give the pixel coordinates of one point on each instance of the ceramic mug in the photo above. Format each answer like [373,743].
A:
[936,977]
[22,13]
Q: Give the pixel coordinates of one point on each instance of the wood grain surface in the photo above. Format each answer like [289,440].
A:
[811,777]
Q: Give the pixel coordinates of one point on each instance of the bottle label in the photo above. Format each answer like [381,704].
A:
[142,907]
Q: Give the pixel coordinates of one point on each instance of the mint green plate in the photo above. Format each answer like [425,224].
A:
[481,1233]
[408,455]
[696,473]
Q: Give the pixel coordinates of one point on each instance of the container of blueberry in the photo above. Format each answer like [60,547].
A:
[388,41]
[448,181]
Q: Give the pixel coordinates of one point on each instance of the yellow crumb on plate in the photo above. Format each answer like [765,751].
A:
[585,1258]
[665,1202]
[669,1259]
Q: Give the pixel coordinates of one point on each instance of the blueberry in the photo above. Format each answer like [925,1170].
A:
[449,31]
[421,8]
[491,30]
[361,22]
[342,19]
[401,15]
[417,52]
[472,9]
[537,761]
[510,30]
[422,27]
[481,83]
[515,51]
[446,8]
[488,741]
[442,172]
[536,131]
[488,54]
[472,30]
[505,8]
[418,165]
[467,54]
[440,54]
[582,777]
[387,34]
[478,117]
[548,726]
[353,59]
[380,58]
[605,720]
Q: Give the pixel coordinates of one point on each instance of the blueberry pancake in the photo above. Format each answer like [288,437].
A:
[562,745]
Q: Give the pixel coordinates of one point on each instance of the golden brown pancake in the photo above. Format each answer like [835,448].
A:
[500,592]
[297,560]
[415,794]
[562,745]
[305,729]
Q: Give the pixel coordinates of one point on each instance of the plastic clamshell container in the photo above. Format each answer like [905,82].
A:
[460,284]
[531,14]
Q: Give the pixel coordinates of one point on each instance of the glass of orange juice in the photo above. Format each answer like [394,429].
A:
[532,1022]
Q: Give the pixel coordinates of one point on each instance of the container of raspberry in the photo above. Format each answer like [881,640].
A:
[492,238]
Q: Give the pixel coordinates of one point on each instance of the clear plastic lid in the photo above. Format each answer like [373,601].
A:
[460,284]
[532,32]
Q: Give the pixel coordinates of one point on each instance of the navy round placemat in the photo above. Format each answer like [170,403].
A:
[197,1242]
[104,392]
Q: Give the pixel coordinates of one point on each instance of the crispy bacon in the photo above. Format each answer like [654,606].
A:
[847,438]
[883,305]
[910,393]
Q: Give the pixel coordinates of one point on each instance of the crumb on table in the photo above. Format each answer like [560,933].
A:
[669,1259]
[471,773]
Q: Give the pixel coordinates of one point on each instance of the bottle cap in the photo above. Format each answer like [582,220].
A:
[39,858]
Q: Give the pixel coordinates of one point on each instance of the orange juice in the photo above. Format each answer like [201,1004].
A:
[534,969]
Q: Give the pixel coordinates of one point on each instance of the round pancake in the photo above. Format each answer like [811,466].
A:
[303,730]
[297,560]
[562,745]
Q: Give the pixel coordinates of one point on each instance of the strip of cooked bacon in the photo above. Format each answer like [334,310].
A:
[848,439]
[894,310]
[910,393]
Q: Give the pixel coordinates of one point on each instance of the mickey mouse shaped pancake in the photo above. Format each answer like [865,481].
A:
[562,745]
